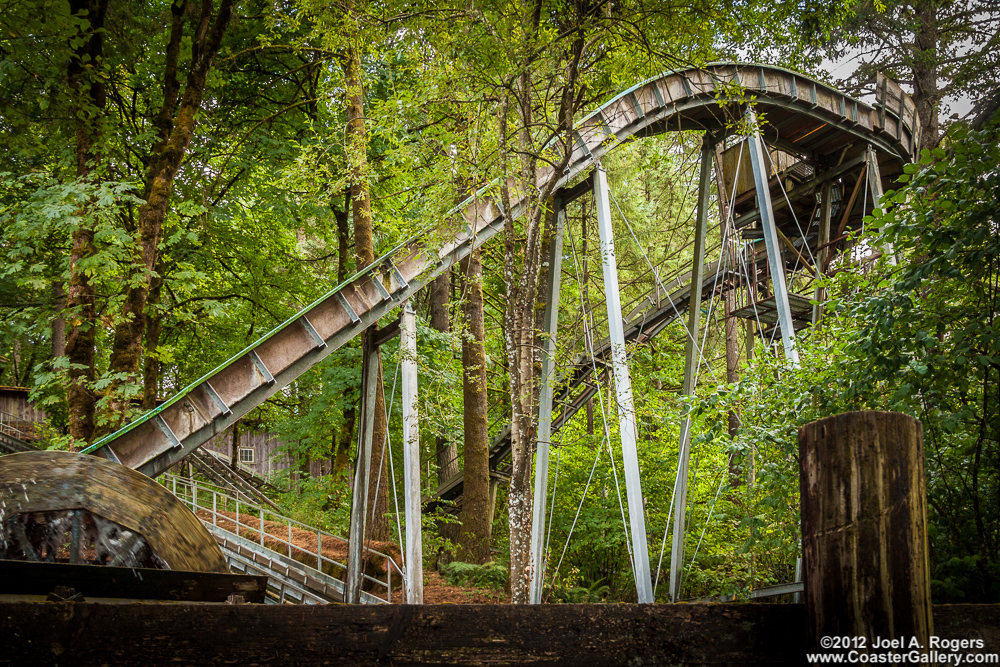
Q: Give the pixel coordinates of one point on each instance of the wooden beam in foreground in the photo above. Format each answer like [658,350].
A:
[131,583]
[85,634]
[152,634]
[67,633]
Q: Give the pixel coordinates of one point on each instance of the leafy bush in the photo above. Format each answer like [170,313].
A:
[323,502]
[488,575]
[597,592]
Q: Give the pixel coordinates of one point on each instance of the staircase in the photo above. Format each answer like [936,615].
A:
[257,540]
[239,482]
[16,435]
[765,313]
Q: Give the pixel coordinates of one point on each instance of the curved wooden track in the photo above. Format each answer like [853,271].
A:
[37,489]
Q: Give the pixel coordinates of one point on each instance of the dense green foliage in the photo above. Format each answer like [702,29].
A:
[930,336]
[487,575]
[257,227]
[920,337]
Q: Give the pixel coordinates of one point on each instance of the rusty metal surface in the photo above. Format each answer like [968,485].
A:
[53,481]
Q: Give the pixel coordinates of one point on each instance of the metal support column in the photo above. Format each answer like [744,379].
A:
[623,390]
[538,507]
[875,187]
[359,501]
[691,356]
[774,260]
[411,458]
[824,252]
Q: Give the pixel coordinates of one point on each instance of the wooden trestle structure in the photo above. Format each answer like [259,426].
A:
[811,162]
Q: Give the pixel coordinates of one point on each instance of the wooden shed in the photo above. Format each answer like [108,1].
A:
[19,414]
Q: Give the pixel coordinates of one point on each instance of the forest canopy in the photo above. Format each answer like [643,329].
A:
[179,178]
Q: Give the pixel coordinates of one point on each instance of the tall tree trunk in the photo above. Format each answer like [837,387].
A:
[474,538]
[58,339]
[519,332]
[447,451]
[732,324]
[151,363]
[175,134]
[519,342]
[522,261]
[234,454]
[926,93]
[88,95]
[343,439]
[364,250]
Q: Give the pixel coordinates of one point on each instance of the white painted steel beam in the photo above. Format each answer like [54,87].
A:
[774,260]
[823,243]
[359,501]
[411,458]
[538,508]
[691,356]
[875,186]
[623,391]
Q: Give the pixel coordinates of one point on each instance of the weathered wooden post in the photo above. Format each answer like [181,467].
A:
[864,531]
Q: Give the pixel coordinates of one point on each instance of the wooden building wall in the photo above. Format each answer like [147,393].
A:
[20,413]
[267,462]
[14,401]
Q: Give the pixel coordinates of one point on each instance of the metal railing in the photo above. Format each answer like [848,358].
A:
[199,496]
[219,472]
[7,426]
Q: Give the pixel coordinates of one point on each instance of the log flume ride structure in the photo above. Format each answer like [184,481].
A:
[832,139]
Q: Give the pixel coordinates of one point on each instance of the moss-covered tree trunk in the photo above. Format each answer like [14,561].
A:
[175,123]
[522,261]
[474,536]
[377,525]
[343,438]
[151,363]
[88,102]
[446,451]
[234,454]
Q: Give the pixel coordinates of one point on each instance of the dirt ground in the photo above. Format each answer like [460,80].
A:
[304,545]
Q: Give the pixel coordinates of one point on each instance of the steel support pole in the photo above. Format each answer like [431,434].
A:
[875,186]
[538,507]
[359,501]
[823,241]
[623,390]
[691,356]
[411,458]
[774,260]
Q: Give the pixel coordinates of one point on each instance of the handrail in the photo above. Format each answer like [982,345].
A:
[191,493]
[6,426]
[218,470]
